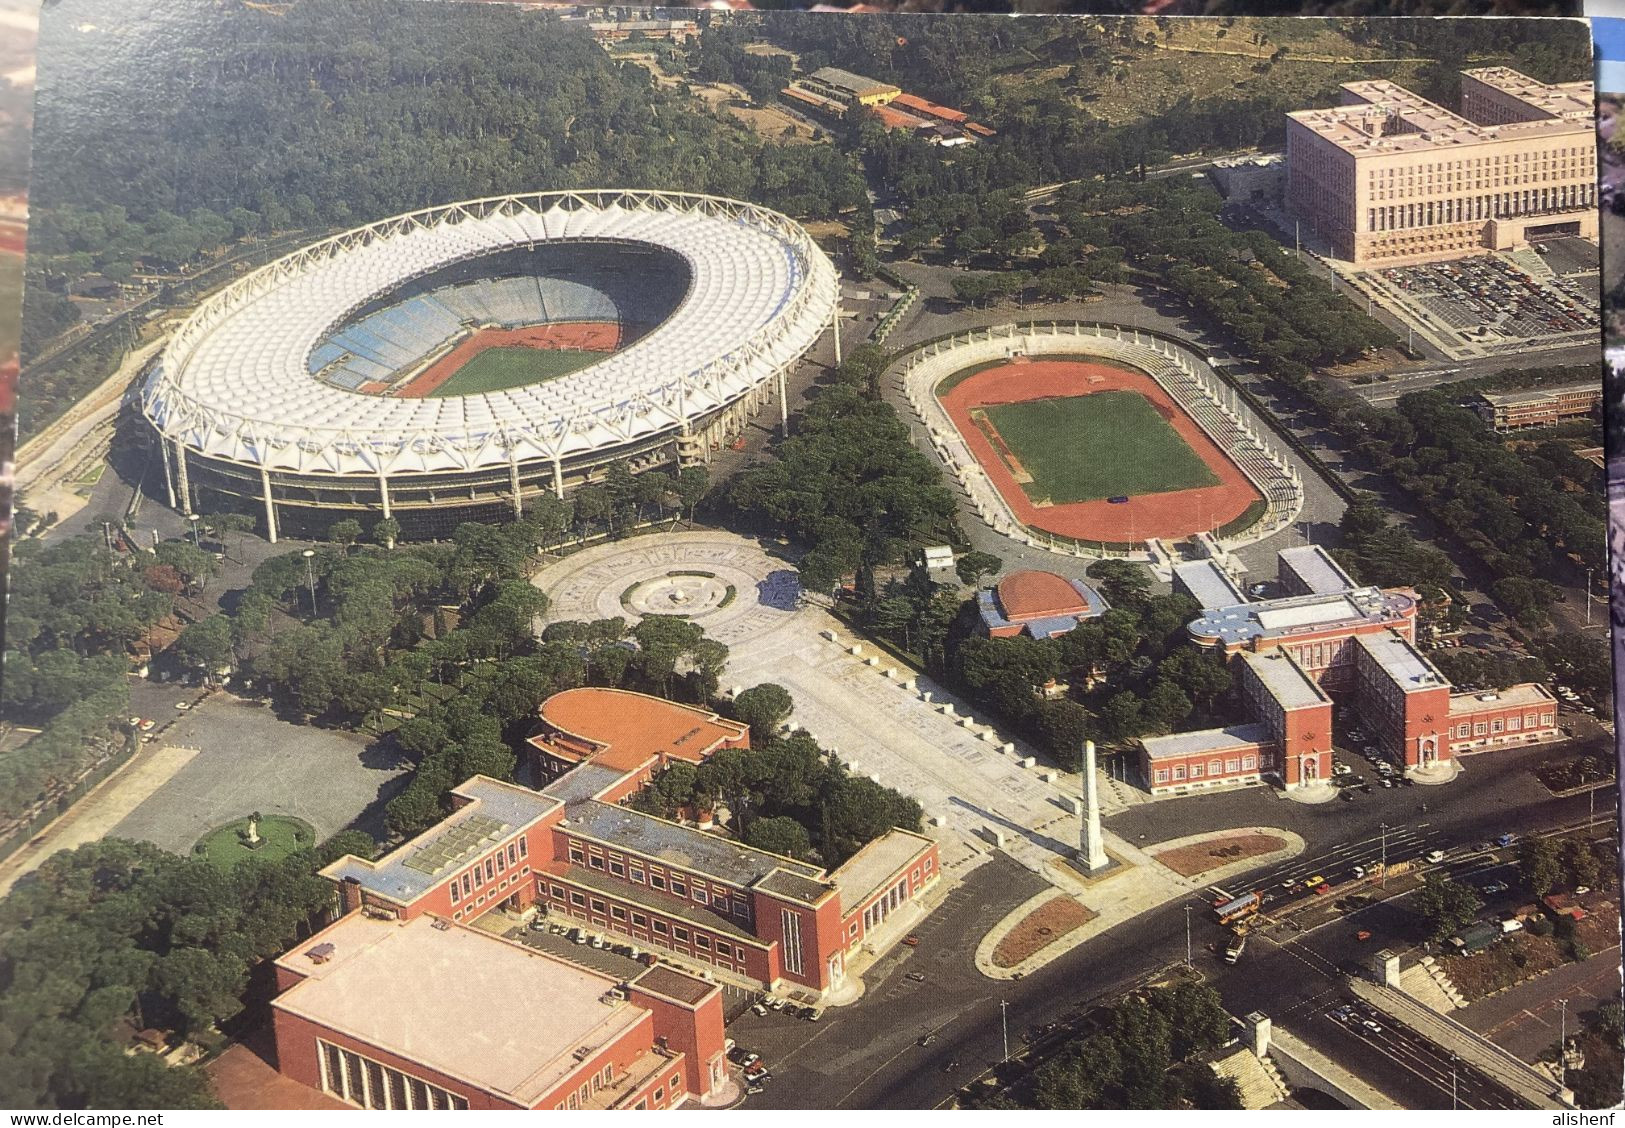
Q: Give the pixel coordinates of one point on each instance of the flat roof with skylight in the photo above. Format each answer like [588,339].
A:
[505,1018]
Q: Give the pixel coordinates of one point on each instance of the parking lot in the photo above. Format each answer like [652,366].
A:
[1545,296]
[244,759]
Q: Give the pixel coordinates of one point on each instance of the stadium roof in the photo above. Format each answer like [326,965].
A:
[235,384]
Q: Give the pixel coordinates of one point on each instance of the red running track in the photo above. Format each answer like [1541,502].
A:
[1169,516]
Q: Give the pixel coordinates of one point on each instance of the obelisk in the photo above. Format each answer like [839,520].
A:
[1092,851]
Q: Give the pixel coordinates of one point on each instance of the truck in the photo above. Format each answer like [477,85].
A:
[1238,908]
[1237,945]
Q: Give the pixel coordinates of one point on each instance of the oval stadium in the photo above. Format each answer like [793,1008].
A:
[449,364]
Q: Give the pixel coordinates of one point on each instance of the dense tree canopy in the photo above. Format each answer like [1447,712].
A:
[120,930]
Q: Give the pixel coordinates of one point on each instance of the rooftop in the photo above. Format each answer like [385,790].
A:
[1208,584]
[680,846]
[1541,395]
[1524,693]
[1039,595]
[1562,99]
[656,901]
[1285,680]
[1315,567]
[497,811]
[1402,662]
[1206,740]
[629,729]
[1281,618]
[1379,116]
[470,993]
[583,782]
[854,84]
[873,867]
[663,979]
[932,109]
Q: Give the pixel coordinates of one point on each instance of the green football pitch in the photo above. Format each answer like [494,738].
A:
[1107,444]
[504,367]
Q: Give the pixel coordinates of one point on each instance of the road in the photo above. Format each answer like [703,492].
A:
[868,1056]
[1384,392]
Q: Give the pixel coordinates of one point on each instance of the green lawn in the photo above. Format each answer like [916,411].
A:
[282,835]
[1084,448]
[503,367]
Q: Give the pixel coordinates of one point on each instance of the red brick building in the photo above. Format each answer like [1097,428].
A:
[1039,604]
[422,1013]
[630,733]
[1327,636]
[586,858]
[1413,712]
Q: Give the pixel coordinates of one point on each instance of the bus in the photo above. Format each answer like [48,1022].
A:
[1243,906]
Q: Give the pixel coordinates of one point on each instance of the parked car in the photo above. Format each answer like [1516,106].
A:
[914,977]
[1494,887]
[758,1009]
[758,1074]
[911,941]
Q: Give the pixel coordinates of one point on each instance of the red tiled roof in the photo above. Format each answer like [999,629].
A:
[897,119]
[630,728]
[930,109]
[1038,595]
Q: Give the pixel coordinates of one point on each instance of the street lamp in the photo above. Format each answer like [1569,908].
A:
[310,574]
[193,517]
[1453,1104]
[1004,1023]
[1382,880]
[1187,936]
[1563,1045]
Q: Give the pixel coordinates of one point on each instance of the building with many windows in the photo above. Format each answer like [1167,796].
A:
[1290,655]
[423,1013]
[574,849]
[1539,407]
[1390,178]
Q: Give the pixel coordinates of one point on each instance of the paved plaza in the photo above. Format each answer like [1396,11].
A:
[885,722]
[239,758]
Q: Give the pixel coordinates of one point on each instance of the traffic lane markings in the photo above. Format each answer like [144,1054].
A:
[1422,1057]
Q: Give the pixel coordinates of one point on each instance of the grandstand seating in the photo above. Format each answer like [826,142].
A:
[386,341]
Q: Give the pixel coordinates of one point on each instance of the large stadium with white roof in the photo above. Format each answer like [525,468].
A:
[449,364]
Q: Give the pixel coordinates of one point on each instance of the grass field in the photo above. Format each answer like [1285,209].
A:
[283,834]
[502,367]
[1107,444]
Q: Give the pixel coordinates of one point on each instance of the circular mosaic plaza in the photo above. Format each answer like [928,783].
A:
[728,585]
